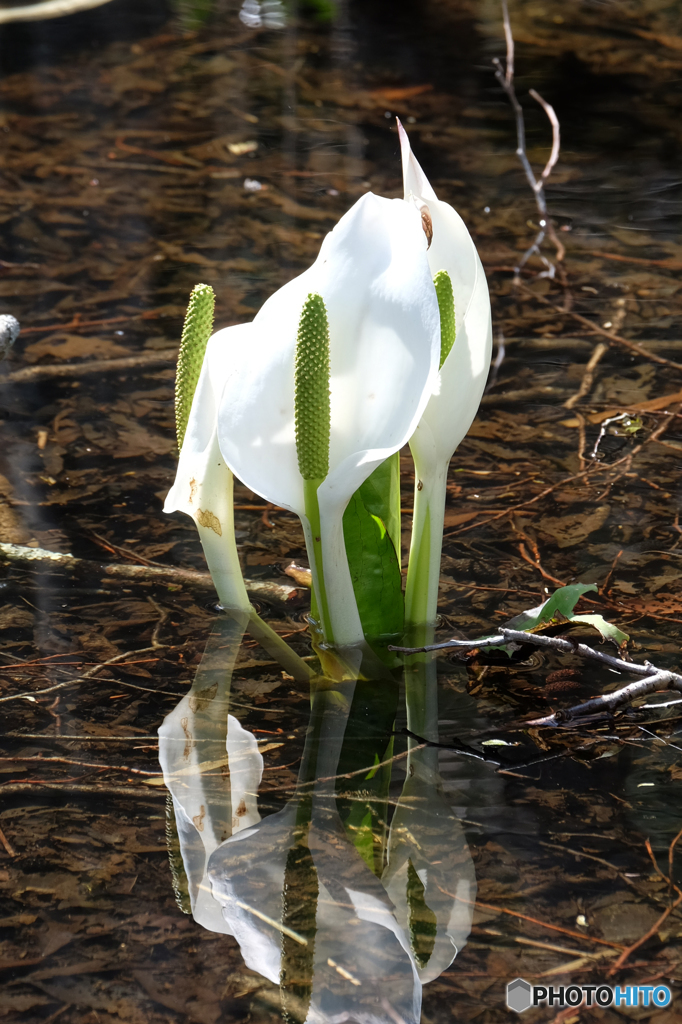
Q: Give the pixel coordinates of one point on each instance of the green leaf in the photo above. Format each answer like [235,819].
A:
[607,629]
[559,606]
[374,568]
[381,496]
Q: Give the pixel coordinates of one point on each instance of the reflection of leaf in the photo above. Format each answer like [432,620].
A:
[362,799]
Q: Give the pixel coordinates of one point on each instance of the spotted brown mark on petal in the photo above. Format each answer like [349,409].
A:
[198,819]
[192,490]
[184,722]
[210,521]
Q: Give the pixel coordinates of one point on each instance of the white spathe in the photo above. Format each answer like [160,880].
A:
[384,326]
[451,409]
[203,484]
[450,412]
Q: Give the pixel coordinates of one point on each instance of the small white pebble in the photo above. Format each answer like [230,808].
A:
[9,332]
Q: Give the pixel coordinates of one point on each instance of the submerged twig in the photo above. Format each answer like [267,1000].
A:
[9,849]
[666,913]
[654,678]
[505,77]
[47,9]
[599,351]
[589,471]
[596,329]
[74,788]
[141,360]
[279,593]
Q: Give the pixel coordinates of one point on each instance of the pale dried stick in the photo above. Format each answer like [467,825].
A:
[506,79]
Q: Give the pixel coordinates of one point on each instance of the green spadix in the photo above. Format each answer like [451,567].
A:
[446,305]
[311,396]
[196,331]
[312,419]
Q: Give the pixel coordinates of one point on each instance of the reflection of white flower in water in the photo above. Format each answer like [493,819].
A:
[198,741]
[354,958]
[305,908]
[269,14]
[302,903]
[429,872]
[429,876]
[310,915]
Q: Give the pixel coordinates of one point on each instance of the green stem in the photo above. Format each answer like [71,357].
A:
[423,573]
[421,608]
[312,511]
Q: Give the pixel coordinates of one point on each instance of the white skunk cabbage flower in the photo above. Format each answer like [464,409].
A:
[466,348]
[373,277]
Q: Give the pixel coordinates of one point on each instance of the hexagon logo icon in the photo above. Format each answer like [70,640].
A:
[518,995]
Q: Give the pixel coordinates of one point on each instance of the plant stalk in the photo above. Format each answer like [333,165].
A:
[423,573]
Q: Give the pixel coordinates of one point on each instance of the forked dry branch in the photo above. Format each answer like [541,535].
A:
[505,76]
[653,678]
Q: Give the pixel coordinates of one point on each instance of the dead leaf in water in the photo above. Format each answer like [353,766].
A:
[568,531]
[72,346]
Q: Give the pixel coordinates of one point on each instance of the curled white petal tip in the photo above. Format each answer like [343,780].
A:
[415,182]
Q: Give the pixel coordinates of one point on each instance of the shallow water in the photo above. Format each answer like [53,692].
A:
[134,143]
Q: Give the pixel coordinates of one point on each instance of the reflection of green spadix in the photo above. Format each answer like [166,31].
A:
[423,922]
[195,334]
[299,912]
[178,875]
[446,305]
[311,402]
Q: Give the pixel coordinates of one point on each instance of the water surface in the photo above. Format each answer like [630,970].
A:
[140,159]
